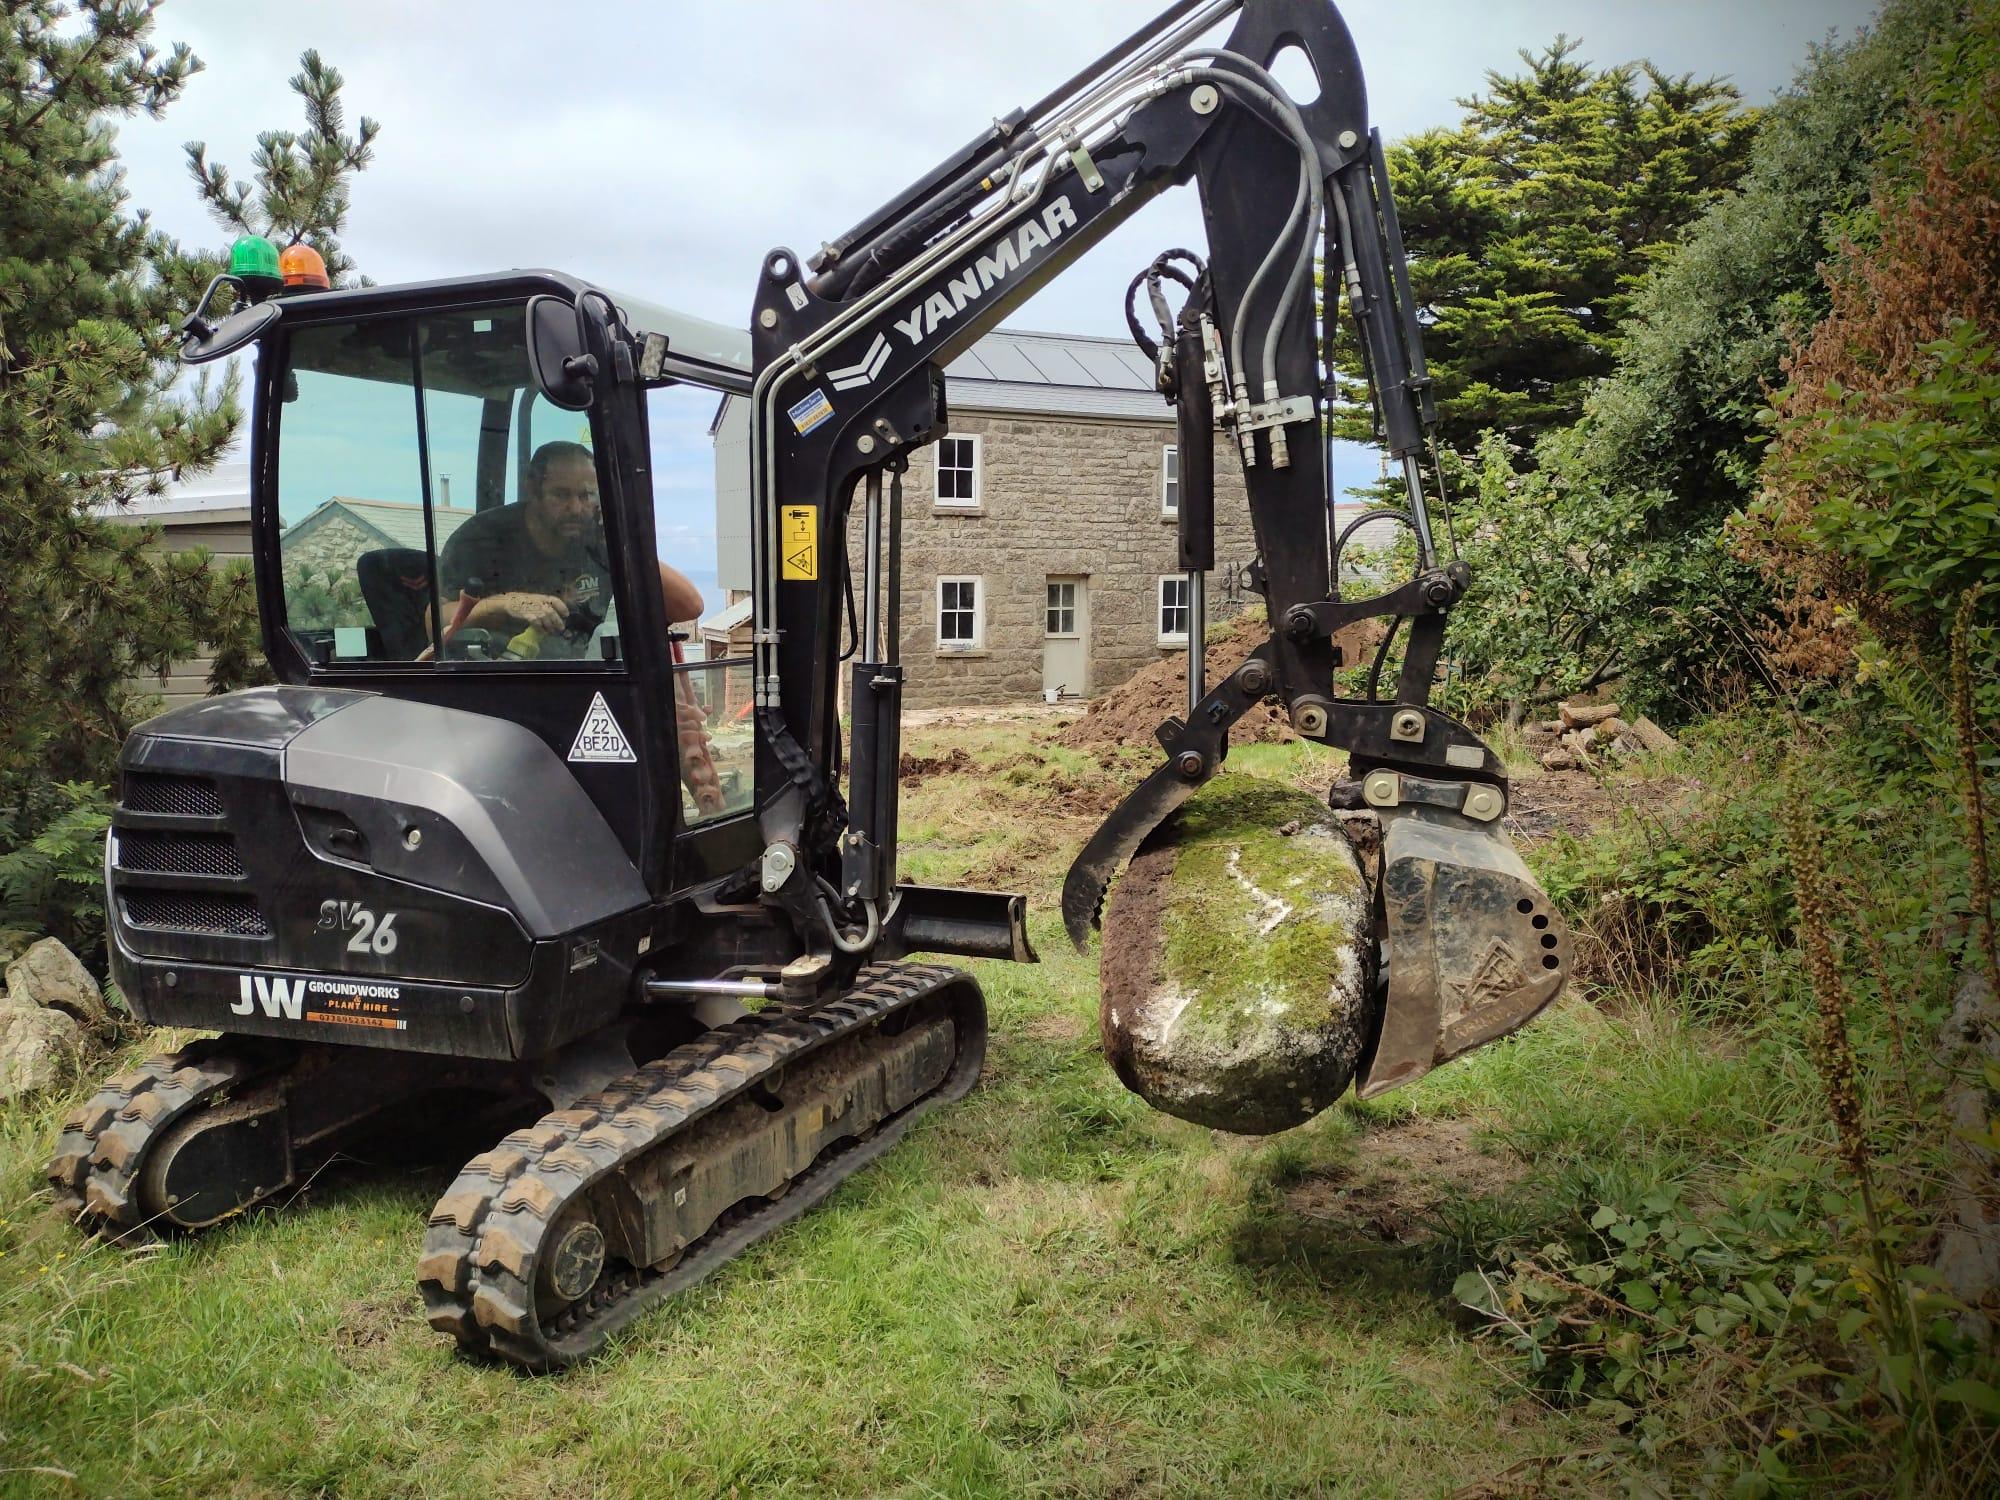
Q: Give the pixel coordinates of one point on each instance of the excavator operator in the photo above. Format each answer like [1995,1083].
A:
[538,568]
[532,565]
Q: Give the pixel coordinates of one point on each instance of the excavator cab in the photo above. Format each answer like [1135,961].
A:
[490,837]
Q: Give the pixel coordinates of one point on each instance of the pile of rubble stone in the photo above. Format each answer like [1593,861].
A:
[52,1013]
[1586,734]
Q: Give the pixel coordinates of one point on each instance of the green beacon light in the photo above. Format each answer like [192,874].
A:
[253,260]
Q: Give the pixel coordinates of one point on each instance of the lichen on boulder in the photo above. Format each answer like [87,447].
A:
[1235,963]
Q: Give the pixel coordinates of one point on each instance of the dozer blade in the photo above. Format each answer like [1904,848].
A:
[1473,948]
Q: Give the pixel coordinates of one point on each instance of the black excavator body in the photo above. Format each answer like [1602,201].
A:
[494,839]
[323,863]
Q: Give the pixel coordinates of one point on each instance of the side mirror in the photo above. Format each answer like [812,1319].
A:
[202,341]
[557,353]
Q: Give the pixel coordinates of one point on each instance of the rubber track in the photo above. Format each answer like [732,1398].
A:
[482,1247]
[104,1142]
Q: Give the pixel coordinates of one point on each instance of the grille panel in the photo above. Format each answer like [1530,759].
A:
[187,796]
[196,911]
[153,853]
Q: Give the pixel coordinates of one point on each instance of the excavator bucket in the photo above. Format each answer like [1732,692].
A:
[1468,946]
[1471,946]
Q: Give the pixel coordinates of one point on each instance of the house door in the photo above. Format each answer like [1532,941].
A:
[1066,638]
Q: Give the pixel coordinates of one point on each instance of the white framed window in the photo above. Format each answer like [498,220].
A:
[958,471]
[1170,481]
[961,605]
[1060,615]
[1173,609]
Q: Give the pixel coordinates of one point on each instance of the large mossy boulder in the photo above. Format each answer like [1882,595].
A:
[1236,960]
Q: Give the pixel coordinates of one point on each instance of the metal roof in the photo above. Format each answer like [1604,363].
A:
[727,618]
[1055,374]
[223,488]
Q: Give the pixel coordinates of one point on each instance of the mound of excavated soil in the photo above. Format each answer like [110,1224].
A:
[1129,713]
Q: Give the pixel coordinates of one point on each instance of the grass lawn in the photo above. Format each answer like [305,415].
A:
[1048,1289]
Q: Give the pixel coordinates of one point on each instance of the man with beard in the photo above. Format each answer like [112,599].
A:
[529,566]
[539,566]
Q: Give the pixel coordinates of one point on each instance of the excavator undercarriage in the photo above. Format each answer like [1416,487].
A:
[494,843]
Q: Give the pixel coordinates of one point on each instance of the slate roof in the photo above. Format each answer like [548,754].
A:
[399,523]
[1046,374]
[1055,374]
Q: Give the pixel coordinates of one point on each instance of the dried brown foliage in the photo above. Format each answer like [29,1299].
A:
[1932,261]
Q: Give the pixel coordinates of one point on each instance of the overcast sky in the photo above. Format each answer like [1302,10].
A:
[662,148]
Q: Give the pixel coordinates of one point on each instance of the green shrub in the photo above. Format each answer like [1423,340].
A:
[52,881]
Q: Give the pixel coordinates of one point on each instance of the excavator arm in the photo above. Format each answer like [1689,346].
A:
[849,349]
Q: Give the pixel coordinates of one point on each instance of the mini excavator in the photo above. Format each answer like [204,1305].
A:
[478,848]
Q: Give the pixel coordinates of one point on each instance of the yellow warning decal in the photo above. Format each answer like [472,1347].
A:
[798,543]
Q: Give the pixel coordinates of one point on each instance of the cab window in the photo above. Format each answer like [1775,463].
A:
[431,504]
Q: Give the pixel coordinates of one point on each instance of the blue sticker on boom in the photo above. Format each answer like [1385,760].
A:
[809,411]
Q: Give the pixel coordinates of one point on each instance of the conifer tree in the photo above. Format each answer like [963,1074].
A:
[94,413]
[1531,224]
[301,188]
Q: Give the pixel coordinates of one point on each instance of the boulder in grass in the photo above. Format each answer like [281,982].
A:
[1235,964]
[52,977]
[37,1047]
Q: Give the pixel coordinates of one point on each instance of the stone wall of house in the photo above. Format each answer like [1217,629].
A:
[1059,496]
[330,547]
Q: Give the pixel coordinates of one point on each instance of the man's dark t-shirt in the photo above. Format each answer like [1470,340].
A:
[493,553]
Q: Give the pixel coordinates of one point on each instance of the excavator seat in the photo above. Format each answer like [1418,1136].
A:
[395,585]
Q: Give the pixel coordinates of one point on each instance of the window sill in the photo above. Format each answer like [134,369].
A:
[977,652]
[1170,518]
[957,510]
[1173,643]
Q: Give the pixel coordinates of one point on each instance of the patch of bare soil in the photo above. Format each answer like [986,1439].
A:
[1053,1026]
[369,1322]
[918,767]
[1546,803]
[1129,713]
[998,713]
[1400,1174]
[1551,802]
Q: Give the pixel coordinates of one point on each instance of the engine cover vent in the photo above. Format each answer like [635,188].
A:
[146,852]
[182,796]
[196,911]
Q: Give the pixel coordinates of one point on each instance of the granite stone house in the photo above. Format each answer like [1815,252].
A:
[334,533]
[1039,537]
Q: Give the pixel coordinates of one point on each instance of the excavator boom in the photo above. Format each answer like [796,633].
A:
[849,350]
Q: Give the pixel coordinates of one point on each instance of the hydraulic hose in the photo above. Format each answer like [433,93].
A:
[1246,81]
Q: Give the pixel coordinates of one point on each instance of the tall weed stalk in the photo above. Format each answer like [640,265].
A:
[1972,786]
[1902,1361]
